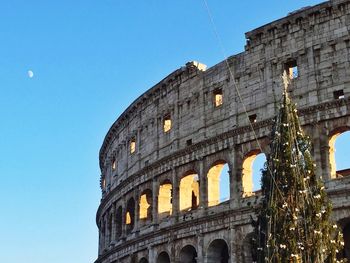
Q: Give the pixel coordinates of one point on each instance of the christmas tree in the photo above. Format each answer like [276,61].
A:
[293,223]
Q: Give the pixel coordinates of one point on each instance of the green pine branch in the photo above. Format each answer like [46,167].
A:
[293,222]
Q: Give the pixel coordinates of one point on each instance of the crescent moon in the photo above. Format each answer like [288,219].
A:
[30,74]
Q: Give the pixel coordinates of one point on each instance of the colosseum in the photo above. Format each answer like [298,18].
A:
[163,159]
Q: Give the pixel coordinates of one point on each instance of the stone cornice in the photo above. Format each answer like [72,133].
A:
[304,17]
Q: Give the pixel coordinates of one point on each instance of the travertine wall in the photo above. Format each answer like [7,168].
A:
[203,135]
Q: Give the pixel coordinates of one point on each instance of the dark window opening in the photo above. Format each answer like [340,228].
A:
[292,69]
[130,215]
[338,94]
[189,142]
[194,201]
[119,222]
[252,118]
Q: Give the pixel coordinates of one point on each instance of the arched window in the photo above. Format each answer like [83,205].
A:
[346,234]
[133,145]
[114,164]
[165,199]
[146,205]
[110,222]
[166,123]
[188,254]
[218,252]
[163,258]
[103,183]
[252,165]
[339,145]
[189,192]
[119,222]
[103,235]
[218,183]
[130,215]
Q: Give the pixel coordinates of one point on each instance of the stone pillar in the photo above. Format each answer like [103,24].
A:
[100,240]
[172,248]
[203,186]
[234,246]
[175,195]
[324,152]
[137,211]
[316,148]
[155,190]
[200,246]
[151,254]
[236,187]
[138,144]
[123,235]
[106,237]
[114,226]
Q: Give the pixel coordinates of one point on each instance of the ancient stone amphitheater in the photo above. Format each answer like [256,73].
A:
[163,159]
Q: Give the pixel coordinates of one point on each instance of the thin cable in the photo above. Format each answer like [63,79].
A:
[237,90]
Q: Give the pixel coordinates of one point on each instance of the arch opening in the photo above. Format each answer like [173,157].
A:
[143,260]
[165,199]
[109,234]
[218,252]
[119,222]
[146,205]
[218,183]
[346,236]
[130,215]
[339,145]
[102,238]
[251,173]
[188,254]
[189,192]
[163,258]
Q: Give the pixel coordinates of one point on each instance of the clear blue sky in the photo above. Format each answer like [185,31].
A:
[90,60]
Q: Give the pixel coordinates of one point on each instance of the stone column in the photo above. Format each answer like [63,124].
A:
[324,153]
[316,148]
[173,249]
[123,235]
[200,246]
[151,254]
[100,240]
[236,187]
[155,190]
[106,237]
[137,211]
[203,185]
[138,144]
[234,247]
[175,196]
[114,227]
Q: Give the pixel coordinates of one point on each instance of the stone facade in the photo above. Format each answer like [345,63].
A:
[161,154]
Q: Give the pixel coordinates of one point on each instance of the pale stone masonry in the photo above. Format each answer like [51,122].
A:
[161,160]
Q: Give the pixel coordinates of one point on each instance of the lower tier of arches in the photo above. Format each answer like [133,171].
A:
[223,237]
